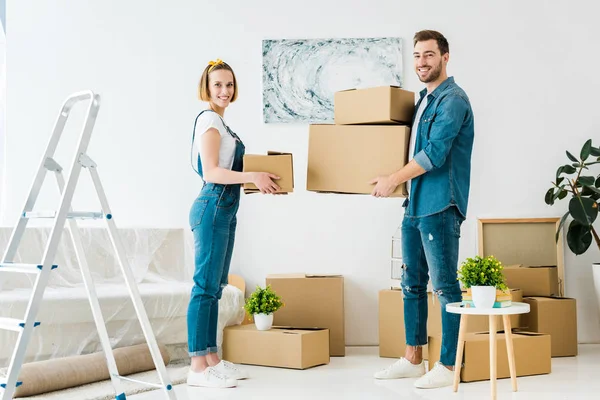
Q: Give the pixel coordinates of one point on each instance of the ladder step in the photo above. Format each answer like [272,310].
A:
[13,324]
[74,214]
[3,383]
[23,268]
[156,385]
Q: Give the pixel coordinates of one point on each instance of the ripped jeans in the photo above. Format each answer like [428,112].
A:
[430,248]
[213,221]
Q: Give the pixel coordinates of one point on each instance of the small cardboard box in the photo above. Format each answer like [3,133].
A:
[376,105]
[345,158]
[280,164]
[534,281]
[312,301]
[278,347]
[532,355]
[556,316]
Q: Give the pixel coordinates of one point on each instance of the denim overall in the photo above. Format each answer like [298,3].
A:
[213,223]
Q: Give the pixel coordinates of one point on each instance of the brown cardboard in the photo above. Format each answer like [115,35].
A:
[532,355]
[534,281]
[278,347]
[376,105]
[345,158]
[556,316]
[524,241]
[392,336]
[280,164]
[312,301]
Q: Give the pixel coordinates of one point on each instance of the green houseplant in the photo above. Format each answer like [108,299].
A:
[579,181]
[584,191]
[261,304]
[483,276]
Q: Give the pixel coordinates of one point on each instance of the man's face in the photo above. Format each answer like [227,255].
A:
[429,63]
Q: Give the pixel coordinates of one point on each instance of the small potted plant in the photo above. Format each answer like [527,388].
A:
[483,276]
[261,304]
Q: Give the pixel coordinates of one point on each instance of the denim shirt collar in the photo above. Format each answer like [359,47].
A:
[449,81]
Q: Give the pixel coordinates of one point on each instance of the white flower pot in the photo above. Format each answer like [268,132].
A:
[483,296]
[596,275]
[263,322]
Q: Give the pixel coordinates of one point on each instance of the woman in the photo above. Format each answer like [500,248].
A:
[213,223]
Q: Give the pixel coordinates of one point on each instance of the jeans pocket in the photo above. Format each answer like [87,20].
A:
[228,200]
[197,212]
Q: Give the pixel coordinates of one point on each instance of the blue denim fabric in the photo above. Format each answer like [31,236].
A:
[443,147]
[430,248]
[213,222]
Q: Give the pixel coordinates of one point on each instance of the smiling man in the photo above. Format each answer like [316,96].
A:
[438,179]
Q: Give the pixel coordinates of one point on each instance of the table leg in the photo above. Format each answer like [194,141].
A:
[459,350]
[510,351]
[493,355]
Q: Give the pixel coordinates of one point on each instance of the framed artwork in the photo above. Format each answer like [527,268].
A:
[300,77]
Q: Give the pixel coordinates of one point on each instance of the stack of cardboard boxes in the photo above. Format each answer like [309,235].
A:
[369,139]
[306,331]
[549,330]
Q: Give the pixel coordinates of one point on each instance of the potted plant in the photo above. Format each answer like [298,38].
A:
[261,304]
[483,276]
[577,181]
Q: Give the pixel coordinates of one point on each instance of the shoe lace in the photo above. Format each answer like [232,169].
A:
[230,366]
[215,373]
[437,370]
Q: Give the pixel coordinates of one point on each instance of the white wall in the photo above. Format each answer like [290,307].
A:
[530,69]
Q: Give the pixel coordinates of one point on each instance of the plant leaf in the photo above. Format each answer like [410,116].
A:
[562,222]
[583,209]
[579,237]
[586,180]
[559,180]
[597,184]
[569,169]
[586,150]
[562,194]
[549,197]
[572,157]
[593,189]
[595,151]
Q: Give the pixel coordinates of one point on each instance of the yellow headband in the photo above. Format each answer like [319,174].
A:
[214,64]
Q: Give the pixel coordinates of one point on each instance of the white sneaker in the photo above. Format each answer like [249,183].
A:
[231,370]
[438,377]
[210,378]
[401,369]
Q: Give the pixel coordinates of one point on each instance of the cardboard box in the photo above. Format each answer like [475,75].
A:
[532,355]
[280,164]
[524,241]
[312,301]
[392,336]
[556,316]
[345,158]
[534,281]
[278,347]
[377,105]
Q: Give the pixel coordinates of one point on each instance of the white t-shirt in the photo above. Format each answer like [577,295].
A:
[208,120]
[413,136]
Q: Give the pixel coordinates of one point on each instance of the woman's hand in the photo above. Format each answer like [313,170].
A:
[264,182]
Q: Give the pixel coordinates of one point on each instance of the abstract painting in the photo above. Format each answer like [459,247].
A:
[300,77]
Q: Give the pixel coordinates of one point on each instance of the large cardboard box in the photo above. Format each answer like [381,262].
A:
[376,105]
[532,355]
[345,158]
[280,164]
[534,281]
[312,301]
[278,347]
[392,336]
[556,316]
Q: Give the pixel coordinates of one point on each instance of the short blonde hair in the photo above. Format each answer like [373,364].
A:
[203,90]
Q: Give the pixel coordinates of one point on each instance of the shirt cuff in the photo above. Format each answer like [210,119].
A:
[423,161]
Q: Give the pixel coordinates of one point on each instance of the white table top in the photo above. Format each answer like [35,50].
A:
[515,308]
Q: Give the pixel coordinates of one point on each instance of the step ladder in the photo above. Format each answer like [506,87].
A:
[25,327]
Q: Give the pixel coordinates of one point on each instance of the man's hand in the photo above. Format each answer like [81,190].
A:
[384,186]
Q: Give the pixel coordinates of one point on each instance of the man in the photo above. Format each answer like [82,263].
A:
[438,177]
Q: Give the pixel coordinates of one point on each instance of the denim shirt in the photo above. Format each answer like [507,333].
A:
[443,147]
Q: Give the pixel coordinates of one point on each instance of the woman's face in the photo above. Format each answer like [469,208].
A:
[220,87]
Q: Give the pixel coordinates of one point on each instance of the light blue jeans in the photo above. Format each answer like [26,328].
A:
[430,247]
[213,221]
